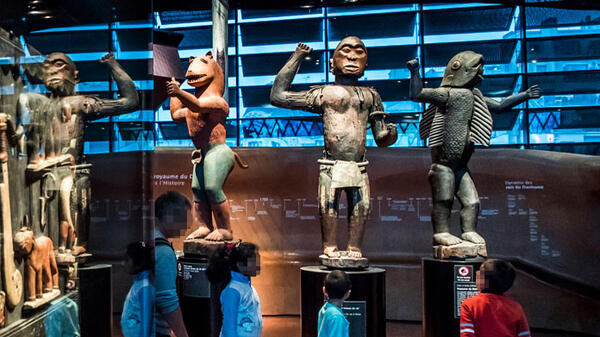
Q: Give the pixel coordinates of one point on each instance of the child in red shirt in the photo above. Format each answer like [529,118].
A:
[490,313]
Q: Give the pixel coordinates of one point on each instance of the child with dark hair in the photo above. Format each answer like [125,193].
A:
[137,319]
[233,265]
[490,313]
[332,322]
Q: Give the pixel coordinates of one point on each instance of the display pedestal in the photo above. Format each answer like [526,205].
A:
[199,300]
[365,308]
[95,287]
[446,283]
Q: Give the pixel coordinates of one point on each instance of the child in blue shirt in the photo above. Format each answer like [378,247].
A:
[332,322]
[234,265]
[137,319]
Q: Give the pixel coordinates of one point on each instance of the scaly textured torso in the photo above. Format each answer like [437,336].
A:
[456,147]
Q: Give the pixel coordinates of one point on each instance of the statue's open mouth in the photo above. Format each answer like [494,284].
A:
[195,78]
[351,67]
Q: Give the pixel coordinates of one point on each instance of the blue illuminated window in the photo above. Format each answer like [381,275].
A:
[559,49]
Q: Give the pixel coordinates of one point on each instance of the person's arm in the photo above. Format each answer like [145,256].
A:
[281,96]
[175,321]
[467,326]
[512,100]
[96,108]
[523,326]
[147,309]
[384,134]
[167,302]
[416,92]
[230,301]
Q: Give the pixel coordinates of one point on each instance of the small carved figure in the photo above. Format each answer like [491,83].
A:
[12,280]
[2,309]
[56,124]
[458,116]
[348,110]
[205,113]
[41,272]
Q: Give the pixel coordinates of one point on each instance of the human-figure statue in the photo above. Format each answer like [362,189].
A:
[458,117]
[54,127]
[348,110]
[205,113]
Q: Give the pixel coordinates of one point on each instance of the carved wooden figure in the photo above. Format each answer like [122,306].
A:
[205,113]
[11,276]
[54,127]
[458,117]
[41,271]
[348,111]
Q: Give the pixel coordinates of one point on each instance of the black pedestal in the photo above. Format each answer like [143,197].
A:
[446,283]
[95,289]
[199,300]
[366,304]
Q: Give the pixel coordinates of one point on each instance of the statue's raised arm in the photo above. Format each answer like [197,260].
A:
[281,96]
[95,108]
[416,92]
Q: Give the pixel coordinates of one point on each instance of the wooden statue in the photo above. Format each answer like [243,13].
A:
[56,123]
[41,272]
[205,113]
[458,116]
[348,110]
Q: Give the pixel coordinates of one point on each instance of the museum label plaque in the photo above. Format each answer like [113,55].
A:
[464,286]
[194,281]
[356,313]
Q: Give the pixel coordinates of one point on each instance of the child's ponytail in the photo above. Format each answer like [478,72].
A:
[225,258]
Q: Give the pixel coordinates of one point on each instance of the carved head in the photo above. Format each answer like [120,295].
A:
[465,70]
[60,74]
[349,58]
[24,241]
[204,71]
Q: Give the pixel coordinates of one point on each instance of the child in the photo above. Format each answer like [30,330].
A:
[490,313]
[332,322]
[137,319]
[234,265]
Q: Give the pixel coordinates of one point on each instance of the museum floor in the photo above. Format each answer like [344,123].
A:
[289,326]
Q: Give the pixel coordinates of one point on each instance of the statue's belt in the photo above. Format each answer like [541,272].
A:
[196,157]
[345,173]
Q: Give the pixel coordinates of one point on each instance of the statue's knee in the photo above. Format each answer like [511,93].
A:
[328,209]
[444,203]
[214,193]
[362,209]
[471,206]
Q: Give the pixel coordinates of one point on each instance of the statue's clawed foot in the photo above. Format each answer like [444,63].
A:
[354,253]
[445,239]
[199,233]
[473,237]
[78,250]
[331,252]
[220,234]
